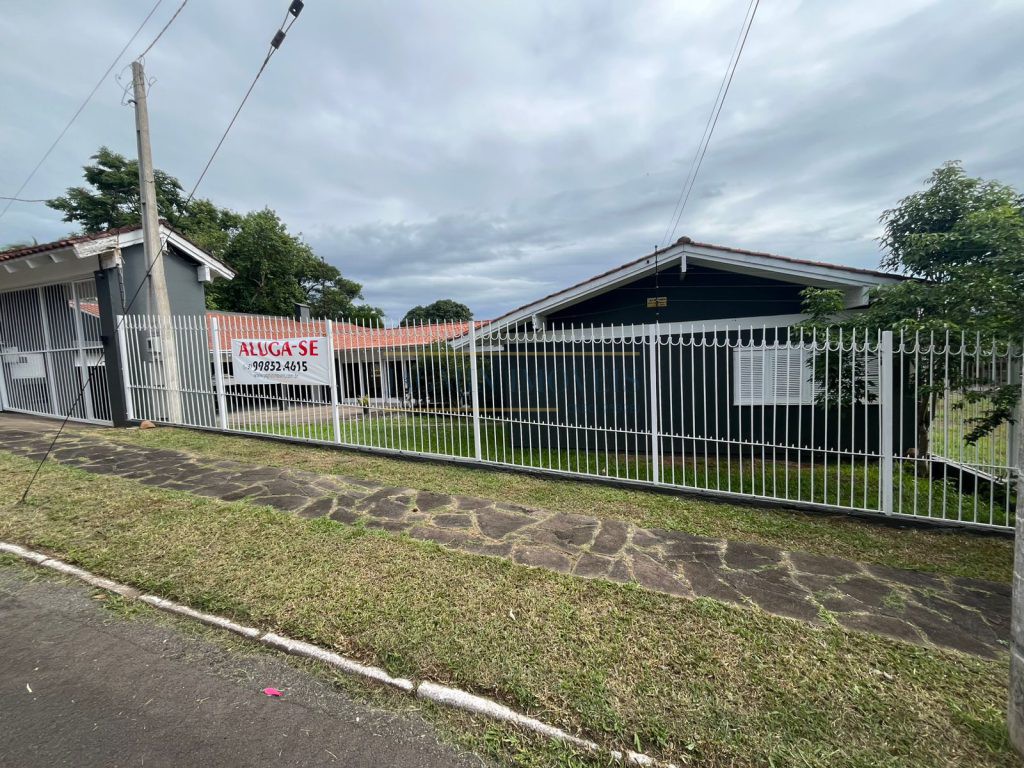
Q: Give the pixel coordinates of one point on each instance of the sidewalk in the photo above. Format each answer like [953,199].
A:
[964,614]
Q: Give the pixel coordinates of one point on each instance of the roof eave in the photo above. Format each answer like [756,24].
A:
[84,247]
[787,270]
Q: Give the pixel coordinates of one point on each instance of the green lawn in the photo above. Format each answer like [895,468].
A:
[697,682]
[957,553]
[950,424]
[789,477]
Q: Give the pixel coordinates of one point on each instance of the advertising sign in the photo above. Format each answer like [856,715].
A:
[281,361]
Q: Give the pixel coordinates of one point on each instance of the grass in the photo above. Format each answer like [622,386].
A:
[502,743]
[951,421]
[698,682]
[788,475]
[956,553]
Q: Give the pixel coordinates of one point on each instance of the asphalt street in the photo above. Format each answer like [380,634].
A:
[81,685]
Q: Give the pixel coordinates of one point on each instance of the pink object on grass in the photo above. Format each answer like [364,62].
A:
[272,692]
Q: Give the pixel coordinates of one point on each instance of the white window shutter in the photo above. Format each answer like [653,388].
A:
[778,375]
[790,376]
[749,375]
[871,377]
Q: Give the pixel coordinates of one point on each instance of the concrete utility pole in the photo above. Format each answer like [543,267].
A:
[1015,711]
[161,300]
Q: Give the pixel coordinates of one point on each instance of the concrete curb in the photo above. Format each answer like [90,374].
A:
[453,698]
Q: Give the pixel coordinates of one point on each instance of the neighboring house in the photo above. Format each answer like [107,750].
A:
[728,374]
[690,284]
[58,304]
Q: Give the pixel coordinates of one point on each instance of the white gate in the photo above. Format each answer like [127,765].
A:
[51,352]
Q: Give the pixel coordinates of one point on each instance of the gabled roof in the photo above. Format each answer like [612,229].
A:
[685,251]
[89,245]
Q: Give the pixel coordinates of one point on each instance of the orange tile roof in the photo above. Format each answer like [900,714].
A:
[346,335]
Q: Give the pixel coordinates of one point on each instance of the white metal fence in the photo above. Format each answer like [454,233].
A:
[858,421]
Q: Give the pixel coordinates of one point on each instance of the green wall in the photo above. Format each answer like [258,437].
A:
[700,293]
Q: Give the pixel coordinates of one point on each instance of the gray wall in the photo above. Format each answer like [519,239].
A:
[187,295]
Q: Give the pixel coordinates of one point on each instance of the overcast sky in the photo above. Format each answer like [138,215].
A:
[493,152]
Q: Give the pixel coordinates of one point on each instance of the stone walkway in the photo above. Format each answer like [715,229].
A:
[964,614]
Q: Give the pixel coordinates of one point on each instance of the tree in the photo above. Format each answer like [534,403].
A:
[275,268]
[965,237]
[962,239]
[210,227]
[441,311]
[113,199]
[331,295]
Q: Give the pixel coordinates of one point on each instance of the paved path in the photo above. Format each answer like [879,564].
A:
[79,687]
[965,614]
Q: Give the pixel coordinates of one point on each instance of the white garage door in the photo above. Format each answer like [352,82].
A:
[51,352]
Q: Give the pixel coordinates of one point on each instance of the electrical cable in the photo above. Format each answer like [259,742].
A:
[161,32]
[78,111]
[293,9]
[709,129]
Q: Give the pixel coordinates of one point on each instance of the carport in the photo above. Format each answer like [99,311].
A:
[58,307]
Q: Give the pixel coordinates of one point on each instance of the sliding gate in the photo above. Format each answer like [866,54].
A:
[51,353]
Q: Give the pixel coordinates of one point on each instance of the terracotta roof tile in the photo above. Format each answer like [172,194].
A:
[346,335]
[67,242]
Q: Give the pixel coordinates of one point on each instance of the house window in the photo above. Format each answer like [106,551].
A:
[779,375]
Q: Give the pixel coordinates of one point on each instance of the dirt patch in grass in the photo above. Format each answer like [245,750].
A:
[694,681]
[957,553]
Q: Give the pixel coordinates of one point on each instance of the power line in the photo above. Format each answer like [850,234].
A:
[78,111]
[22,200]
[161,32]
[709,128]
[293,10]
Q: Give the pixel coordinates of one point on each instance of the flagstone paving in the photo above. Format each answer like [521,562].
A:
[964,614]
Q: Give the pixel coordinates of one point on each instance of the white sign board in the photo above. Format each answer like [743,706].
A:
[302,360]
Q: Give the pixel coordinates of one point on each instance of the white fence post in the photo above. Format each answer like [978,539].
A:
[126,373]
[653,386]
[887,410]
[218,373]
[335,414]
[474,394]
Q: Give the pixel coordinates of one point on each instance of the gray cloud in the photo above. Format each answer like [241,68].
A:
[495,152]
